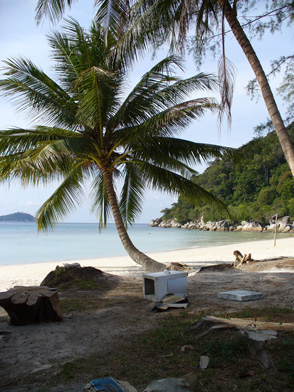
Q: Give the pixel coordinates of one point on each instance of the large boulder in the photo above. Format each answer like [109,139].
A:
[252,226]
[155,222]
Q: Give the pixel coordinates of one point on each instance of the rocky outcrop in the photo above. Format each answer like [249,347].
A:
[223,225]
[251,226]
[283,225]
[155,222]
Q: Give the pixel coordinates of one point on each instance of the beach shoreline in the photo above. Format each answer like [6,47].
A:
[33,274]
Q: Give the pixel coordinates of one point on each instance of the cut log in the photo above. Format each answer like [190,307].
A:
[31,305]
[240,259]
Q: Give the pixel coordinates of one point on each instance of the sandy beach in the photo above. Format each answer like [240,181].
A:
[33,274]
[116,311]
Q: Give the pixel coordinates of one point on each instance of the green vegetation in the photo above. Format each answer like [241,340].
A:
[172,349]
[258,187]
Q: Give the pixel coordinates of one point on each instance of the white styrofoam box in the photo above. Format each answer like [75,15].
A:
[157,284]
[240,295]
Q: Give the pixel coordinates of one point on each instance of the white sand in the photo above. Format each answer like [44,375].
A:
[33,274]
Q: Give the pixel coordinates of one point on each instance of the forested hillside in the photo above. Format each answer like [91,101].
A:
[258,187]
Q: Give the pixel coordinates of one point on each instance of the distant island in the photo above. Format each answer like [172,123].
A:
[17,217]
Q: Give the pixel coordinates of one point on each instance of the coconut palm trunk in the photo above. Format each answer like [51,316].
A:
[283,136]
[134,253]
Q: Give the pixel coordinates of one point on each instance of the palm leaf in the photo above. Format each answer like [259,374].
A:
[32,91]
[132,193]
[53,9]
[62,201]
[100,200]
[165,180]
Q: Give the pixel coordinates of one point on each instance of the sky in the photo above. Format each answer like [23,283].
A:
[20,36]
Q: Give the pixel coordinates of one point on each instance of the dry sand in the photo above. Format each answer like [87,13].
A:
[33,274]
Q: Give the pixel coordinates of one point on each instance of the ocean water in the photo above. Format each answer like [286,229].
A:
[22,243]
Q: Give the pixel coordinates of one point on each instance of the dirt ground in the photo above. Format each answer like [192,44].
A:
[96,321]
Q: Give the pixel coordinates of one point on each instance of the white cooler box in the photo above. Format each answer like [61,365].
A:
[157,284]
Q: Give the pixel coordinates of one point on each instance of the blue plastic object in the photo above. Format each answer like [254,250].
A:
[107,384]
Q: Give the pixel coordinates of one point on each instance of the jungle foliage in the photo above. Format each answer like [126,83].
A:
[259,186]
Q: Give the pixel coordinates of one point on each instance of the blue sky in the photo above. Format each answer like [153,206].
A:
[20,36]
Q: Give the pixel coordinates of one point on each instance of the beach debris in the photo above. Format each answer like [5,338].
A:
[240,259]
[203,362]
[261,335]
[171,301]
[175,266]
[157,284]
[240,295]
[71,265]
[187,347]
[210,324]
[31,305]
[170,385]
[109,384]
[215,268]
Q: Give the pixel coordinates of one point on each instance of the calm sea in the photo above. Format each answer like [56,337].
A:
[21,243]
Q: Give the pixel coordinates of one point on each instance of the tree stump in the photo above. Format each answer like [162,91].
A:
[31,305]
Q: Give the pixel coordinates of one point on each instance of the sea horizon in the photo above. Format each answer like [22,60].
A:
[21,243]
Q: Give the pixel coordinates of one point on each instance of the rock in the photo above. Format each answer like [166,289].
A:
[285,220]
[169,385]
[265,358]
[287,229]
[252,226]
[261,335]
[155,222]
[204,361]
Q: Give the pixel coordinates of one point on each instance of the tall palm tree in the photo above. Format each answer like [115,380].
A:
[159,19]
[174,19]
[89,132]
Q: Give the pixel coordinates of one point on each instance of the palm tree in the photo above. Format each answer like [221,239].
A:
[89,133]
[174,19]
[156,20]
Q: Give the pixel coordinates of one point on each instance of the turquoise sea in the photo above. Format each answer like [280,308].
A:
[21,243]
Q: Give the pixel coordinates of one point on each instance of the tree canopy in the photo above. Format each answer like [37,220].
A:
[258,187]
[92,130]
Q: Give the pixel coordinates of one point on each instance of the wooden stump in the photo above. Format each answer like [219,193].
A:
[31,305]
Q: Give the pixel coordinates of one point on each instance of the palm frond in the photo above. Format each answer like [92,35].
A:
[165,180]
[226,76]
[166,123]
[173,152]
[157,92]
[37,155]
[100,200]
[53,9]
[62,201]
[32,91]
[112,15]
[131,197]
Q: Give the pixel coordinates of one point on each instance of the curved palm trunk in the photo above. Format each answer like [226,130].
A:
[139,257]
[283,136]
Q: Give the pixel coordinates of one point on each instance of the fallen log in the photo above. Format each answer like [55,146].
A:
[31,305]
[208,324]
